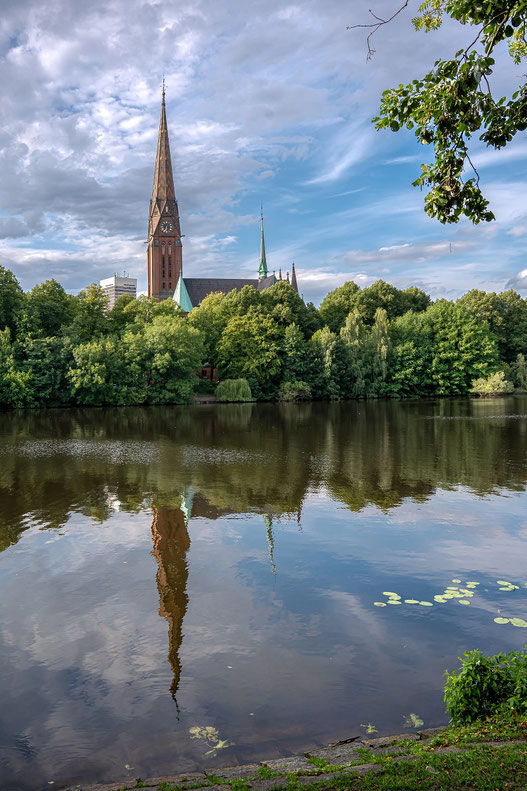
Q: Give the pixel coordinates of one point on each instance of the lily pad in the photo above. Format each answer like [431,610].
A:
[411,601]
[463,601]
[379,604]
[440,599]
[457,581]
[426,604]
[503,582]
[447,596]
[508,588]
[389,593]
[501,620]
[471,584]
[519,622]
[393,601]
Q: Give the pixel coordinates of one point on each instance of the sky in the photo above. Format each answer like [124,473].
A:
[267,103]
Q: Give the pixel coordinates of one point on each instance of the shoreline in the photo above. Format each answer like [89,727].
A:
[406,761]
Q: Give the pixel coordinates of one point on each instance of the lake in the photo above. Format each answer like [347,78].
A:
[169,570]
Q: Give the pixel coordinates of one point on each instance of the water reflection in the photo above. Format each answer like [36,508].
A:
[87,487]
[247,457]
[171,543]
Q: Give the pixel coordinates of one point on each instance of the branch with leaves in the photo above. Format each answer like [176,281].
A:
[454,102]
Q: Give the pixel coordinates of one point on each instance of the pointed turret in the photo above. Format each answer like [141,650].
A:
[164,256]
[163,179]
[262,269]
[293,279]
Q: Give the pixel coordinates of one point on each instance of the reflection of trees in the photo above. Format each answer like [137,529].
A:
[171,543]
[260,458]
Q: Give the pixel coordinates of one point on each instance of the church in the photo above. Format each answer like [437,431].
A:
[165,254]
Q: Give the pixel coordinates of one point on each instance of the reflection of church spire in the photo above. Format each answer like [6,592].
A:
[171,543]
[268,519]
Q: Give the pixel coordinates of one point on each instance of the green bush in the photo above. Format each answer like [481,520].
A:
[294,391]
[493,385]
[486,685]
[234,390]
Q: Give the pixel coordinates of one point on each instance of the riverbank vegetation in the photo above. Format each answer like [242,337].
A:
[58,349]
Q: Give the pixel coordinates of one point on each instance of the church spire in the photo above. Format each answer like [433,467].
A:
[164,253]
[293,279]
[163,180]
[262,269]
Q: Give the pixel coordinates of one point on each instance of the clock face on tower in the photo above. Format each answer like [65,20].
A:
[167,226]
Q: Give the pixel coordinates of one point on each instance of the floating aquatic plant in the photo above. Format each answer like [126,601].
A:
[463,596]
[211,736]
[370,727]
[413,720]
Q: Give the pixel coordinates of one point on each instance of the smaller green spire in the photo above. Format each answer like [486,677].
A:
[262,269]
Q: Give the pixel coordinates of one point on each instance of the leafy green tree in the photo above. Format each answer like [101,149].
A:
[14,385]
[492,385]
[297,362]
[455,101]
[519,371]
[506,315]
[356,337]
[250,348]
[46,362]
[118,316]
[48,309]
[381,347]
[104,373]
[91,319]
[329,364]
[211,318]
[411,349]
[283,304]
[11,299]
[337,304]
[414,299]
[170,352]
[463,349]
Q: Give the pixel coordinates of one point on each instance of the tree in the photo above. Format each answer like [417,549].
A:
[11,299]
[14,386]
[493,385]
[506,315]
[48,308]
[454,101]
[250,348]
[211,318]
[105,372]
[337,304]
[170,351]
[463,348]
[91,319]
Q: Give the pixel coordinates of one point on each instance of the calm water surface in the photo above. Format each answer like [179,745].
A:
[167,568]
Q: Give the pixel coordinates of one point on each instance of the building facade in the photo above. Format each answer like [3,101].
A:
[165,254]
[115,286]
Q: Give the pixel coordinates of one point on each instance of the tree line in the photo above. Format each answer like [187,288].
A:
[57,349]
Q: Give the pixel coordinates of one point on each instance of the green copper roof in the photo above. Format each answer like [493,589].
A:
[181,296]
[262,269]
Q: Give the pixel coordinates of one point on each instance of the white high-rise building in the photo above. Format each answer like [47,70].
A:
[117,285]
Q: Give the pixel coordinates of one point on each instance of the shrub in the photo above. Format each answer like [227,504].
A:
[234,390]
[486,685]
[493,385]
[294,391]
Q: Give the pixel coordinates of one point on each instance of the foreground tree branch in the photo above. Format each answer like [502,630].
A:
[454,102]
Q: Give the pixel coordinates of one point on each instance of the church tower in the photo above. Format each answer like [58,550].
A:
[164,254]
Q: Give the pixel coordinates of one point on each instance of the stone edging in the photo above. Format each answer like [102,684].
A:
[338,753]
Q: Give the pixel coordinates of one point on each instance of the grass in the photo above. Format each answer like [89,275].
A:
[479,768]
